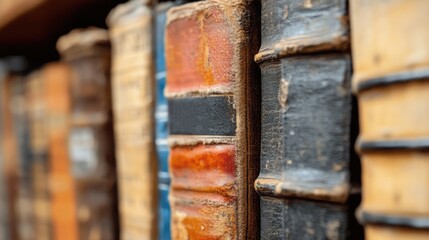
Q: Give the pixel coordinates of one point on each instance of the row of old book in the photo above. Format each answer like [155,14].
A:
[245,105]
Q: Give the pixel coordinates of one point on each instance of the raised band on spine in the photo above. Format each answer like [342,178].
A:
[387,219]
[283,50]
[276,188]
[392,79]
[420,144]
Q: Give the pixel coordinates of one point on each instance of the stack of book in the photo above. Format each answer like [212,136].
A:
[222,119]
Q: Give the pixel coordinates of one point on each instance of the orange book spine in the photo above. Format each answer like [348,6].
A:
[57,77]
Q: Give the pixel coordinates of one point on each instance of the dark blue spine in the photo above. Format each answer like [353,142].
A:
[161,117]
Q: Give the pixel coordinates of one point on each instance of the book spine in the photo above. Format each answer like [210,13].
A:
[391,82]
[10,154]
[161,118]
[304,180]
[63,197]
[91,143]
[37,117]
[133,89]
[4,208]
[25,212]
[213,140]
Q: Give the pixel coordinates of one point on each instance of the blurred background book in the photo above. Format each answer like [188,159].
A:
[58,175]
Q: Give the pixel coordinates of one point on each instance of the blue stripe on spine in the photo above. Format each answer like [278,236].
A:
[161,118]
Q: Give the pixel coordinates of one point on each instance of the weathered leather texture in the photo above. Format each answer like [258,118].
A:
[302,26]
[304,181]
[293,215]
[314,113]
[91,143]
[213,93]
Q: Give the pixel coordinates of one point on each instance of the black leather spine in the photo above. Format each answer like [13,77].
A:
[305,177]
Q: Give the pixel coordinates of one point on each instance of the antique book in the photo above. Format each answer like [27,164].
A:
[57,78]
[38,144]
[24,205]
[133,90]
[161,119]
[9,156]
[306,170]
[90,139]
[213,108]
[391,81]
[16,194]
[4,208]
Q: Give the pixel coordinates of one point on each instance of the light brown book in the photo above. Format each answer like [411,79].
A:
[133,99]
[391,79]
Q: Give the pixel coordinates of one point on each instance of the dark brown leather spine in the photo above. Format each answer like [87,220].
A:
[91,142]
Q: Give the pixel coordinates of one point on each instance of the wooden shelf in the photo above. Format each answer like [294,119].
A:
[31,27]
[11,10]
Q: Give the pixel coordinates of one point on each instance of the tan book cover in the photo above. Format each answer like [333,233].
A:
[391,80]
[131,27]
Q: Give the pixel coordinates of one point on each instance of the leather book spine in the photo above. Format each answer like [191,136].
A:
[90,139]
[9,156]
[213,106]
[25,212]
[133,89]
[37,120]
[4,204]
[391,81]
[305,176]
[161,121]
[63,193]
